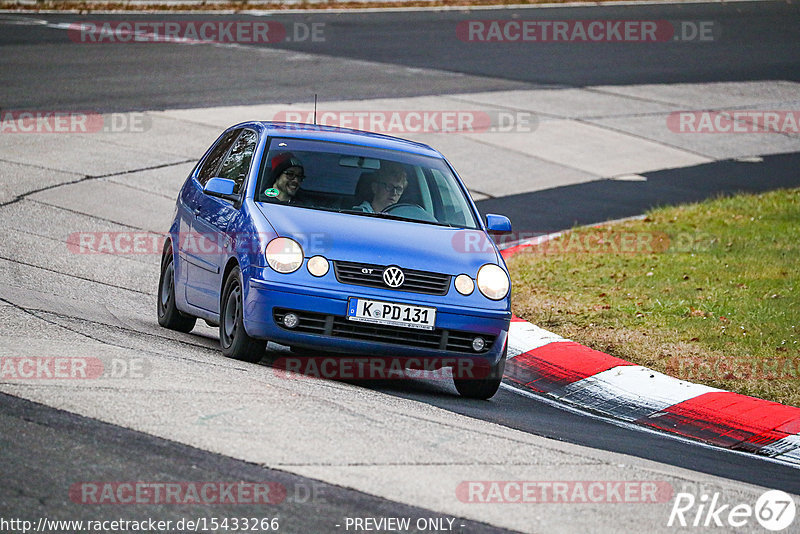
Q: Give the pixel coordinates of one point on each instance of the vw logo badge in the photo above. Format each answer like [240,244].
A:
[393,276]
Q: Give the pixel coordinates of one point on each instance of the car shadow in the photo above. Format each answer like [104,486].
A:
[321,365]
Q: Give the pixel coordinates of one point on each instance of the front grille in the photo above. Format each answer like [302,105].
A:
[364,274]
[428,339]
[340,327]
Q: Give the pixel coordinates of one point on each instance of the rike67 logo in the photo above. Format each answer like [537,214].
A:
[774,510]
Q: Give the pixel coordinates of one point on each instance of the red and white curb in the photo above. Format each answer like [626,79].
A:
[569,372]
[549,365]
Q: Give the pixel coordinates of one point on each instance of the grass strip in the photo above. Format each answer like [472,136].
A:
[706,292]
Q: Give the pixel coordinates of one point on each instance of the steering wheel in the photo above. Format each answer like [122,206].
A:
[409,211]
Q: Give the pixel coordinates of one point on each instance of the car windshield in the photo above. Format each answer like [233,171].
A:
[362,181]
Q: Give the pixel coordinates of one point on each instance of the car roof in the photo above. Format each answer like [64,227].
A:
[341,135]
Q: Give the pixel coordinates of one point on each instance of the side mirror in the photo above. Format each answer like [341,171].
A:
[498,224]
[221,188]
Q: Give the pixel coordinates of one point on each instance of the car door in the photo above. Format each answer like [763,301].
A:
[193,247]
[213,217]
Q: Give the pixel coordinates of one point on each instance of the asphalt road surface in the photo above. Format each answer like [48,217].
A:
[49,453]
[395,54]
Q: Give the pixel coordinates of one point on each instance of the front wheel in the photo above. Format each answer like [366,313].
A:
[483,388]
[234,340]
[168,314]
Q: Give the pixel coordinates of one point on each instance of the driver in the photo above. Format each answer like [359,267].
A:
[286,176]
[387,187]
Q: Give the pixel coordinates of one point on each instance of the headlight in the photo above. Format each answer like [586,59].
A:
[318,266]
[284,255]
[464,284]
[493,281]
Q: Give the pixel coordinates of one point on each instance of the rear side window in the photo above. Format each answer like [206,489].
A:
[237,164]
[211,164]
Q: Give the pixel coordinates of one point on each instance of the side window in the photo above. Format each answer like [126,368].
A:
[237,163]
[211,164]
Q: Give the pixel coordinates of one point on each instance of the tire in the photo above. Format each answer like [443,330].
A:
[483,388]
[168,315]
[233,339]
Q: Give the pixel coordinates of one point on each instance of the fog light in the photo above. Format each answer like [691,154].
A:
[290,320]
[478,344]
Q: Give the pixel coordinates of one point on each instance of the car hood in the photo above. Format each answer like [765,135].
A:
[364,239]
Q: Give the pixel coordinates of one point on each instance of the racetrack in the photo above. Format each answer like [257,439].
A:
[179,411]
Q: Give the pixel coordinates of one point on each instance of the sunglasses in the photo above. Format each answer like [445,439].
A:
[299,176]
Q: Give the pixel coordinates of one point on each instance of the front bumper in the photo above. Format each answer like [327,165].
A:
[324,326]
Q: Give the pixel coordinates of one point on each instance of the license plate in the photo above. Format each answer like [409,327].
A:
[391,313]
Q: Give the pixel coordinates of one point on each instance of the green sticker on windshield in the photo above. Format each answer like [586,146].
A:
[272,192]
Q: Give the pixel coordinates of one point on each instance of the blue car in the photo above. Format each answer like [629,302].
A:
[343,242]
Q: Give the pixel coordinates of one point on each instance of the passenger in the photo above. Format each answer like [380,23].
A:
[286,176]
[387,187]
